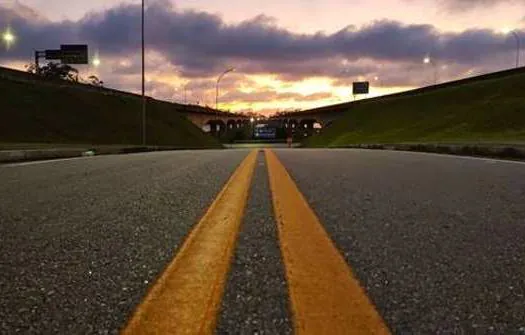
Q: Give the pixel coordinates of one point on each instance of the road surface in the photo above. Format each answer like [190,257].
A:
[373,241]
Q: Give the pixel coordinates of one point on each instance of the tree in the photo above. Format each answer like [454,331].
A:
[31,68]
[55,71]
[93,80]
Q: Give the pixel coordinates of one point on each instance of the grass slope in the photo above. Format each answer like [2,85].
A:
[51,113]
[491,110]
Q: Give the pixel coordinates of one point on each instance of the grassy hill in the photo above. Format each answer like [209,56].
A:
[58,112]
[486,109]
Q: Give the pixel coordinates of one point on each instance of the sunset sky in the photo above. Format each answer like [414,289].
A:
[288,54]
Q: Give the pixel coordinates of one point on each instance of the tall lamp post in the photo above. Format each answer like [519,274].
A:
[217,90]
[428,60]
[518,45]
[143,80]
[186,93]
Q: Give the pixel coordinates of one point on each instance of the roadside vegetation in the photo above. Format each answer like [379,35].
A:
[485,111]
[52,112]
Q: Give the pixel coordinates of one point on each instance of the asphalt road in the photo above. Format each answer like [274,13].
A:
[256,298]
[82,239]
[438,242]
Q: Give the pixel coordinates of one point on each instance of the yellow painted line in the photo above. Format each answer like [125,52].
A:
[325,296]
[186,297]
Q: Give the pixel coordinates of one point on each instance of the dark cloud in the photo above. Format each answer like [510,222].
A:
[198,46]
[465,5]
[201,44]
[14,9]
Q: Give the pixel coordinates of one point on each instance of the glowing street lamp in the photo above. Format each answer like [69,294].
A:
[377,80]
[8,37]
[96,62]
[428,60]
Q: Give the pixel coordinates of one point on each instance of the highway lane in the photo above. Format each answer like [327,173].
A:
[256,295]
[437,241]
[81,240]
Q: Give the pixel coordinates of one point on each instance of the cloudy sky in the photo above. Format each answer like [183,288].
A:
[288,54]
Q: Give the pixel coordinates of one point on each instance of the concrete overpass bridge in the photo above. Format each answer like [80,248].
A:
[203,117]
[211,120]
[324,116]
[308,122]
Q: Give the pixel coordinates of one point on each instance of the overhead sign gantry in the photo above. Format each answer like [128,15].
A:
[67,54]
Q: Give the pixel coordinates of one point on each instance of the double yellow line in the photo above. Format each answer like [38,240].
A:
[325,296]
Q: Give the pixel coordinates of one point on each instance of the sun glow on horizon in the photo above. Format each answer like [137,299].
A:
[174,85]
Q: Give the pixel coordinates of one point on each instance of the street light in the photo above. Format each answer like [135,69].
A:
[96,62]
[428,60]
[217,90]
[514,33]
[376,79]
[185,93]
[8,37]
[217,86]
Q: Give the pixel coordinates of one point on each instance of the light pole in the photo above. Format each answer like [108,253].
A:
[217,91]
[186,93]
[518,46]
[428,60]
[143,79]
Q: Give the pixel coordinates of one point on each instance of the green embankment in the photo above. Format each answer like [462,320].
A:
[38,112]
[485,111]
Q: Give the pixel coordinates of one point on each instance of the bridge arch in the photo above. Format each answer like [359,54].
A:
[231,124]
[307,123]
[215,126]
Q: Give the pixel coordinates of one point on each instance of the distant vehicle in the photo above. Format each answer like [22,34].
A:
[264,131]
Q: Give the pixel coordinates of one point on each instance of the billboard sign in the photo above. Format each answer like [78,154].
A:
[69,54]
[74,53]
[53,54]
[360,87]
